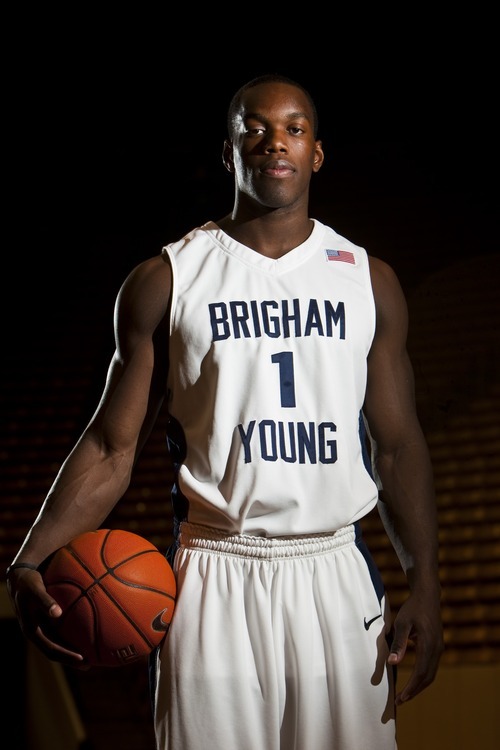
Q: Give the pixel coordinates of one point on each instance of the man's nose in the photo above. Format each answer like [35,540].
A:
[276,142]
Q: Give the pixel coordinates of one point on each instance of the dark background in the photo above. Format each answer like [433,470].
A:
[113,132]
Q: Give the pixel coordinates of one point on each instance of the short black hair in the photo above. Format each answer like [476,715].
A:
[268,78]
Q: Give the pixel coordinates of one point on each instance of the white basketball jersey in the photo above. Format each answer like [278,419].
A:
[268,362]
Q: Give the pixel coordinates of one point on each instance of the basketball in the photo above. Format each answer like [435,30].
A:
[117,592]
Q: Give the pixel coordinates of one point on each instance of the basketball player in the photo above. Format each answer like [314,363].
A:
[280,346]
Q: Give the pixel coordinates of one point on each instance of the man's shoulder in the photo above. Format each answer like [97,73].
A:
[381,269]
[385,284]
[195,235]
[147,275]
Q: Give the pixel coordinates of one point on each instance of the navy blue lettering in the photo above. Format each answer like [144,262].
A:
[276,319]
[239,319]
[255,318]
[331,456]
[272,330]
[220,326]
[307,443]
[289,442]
[313,319]
[245,439]
[290,457]
[288,317]
[268,448]
[336,315]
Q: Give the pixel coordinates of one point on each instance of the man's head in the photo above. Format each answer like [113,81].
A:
[235,103]
[272,148]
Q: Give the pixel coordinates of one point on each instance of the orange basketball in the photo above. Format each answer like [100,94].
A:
[117,592]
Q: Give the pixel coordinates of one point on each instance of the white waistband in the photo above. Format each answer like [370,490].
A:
[193,536]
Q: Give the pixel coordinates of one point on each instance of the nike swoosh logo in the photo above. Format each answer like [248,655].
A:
[369,622]
[161,626]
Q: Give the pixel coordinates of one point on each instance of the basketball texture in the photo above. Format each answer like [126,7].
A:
[117,592]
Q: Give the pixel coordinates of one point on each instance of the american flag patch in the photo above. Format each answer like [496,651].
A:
[344,256]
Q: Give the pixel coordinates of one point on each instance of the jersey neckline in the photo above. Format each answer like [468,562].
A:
[253,258]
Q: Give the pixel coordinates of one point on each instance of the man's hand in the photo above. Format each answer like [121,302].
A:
[418,621]
[35,609]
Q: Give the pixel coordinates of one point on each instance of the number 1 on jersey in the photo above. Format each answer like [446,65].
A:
[287,380]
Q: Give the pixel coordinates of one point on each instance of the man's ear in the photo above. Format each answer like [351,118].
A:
[319,156]
[227,156]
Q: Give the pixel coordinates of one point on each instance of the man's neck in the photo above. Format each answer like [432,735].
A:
[272,235]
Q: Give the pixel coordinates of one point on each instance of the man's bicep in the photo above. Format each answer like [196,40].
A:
[120,414]
[135,381]
[141,333]
[389,404]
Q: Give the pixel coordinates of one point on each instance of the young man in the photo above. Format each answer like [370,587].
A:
[275,341]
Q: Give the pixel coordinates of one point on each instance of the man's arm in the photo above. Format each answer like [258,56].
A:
[97,472]
[407,503]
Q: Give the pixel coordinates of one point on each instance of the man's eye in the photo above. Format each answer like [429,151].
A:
[296,130]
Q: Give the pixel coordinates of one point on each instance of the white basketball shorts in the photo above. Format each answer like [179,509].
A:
[275,644]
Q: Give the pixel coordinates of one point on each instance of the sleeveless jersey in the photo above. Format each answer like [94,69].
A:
[268,364]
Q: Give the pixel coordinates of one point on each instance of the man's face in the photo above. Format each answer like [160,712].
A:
[273,152]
